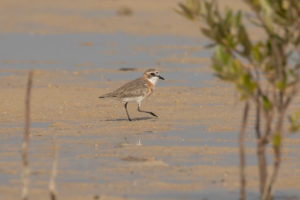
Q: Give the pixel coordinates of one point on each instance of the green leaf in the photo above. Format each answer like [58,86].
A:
[281,85]
[222,55]
[225,66]
[266,103]
[294,122]
[230,41]
[256,54]
[267,14]
[245,85]
[277,140]
[248,83]
[238,19]
[235,67]
[228,17]
[185,11]
[292,73]
[207,32]
[244,40]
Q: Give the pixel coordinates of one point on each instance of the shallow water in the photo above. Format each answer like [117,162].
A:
[219,194]
[81,160]
[90,51]
[79,52]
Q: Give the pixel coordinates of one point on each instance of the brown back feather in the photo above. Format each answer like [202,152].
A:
[133,88]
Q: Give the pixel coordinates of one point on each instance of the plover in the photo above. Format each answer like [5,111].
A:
[136,90]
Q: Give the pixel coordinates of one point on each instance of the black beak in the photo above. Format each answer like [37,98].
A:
[160,77]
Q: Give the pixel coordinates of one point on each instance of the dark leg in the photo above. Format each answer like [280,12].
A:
[125,105]
[151,113]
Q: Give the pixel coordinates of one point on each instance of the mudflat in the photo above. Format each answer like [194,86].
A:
[189,152]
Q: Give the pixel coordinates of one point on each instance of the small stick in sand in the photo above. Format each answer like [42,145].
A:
[52,188]
[25,163]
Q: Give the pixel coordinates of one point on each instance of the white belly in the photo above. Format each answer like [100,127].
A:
[137,99]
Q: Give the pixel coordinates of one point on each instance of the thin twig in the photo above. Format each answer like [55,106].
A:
[257,118]
[277,159]
[242,153]
[294,91]
[267,195]
[25,162]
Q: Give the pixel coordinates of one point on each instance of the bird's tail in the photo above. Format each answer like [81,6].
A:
[105,96]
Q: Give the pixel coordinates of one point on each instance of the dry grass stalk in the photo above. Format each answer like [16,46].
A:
[52,185]
[25,162]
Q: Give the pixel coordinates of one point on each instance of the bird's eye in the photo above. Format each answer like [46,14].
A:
[152,74]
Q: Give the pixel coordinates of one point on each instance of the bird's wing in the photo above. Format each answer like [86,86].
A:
[133,88]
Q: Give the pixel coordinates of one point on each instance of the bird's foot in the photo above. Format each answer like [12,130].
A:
[153,114]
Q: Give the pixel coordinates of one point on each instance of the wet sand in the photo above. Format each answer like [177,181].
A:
[188,152]
[99,149]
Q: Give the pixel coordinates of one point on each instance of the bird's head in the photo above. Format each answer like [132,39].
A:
[152,75]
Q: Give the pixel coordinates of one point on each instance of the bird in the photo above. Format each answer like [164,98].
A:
[136,90]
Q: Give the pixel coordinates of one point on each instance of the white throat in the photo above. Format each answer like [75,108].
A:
[153,80]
